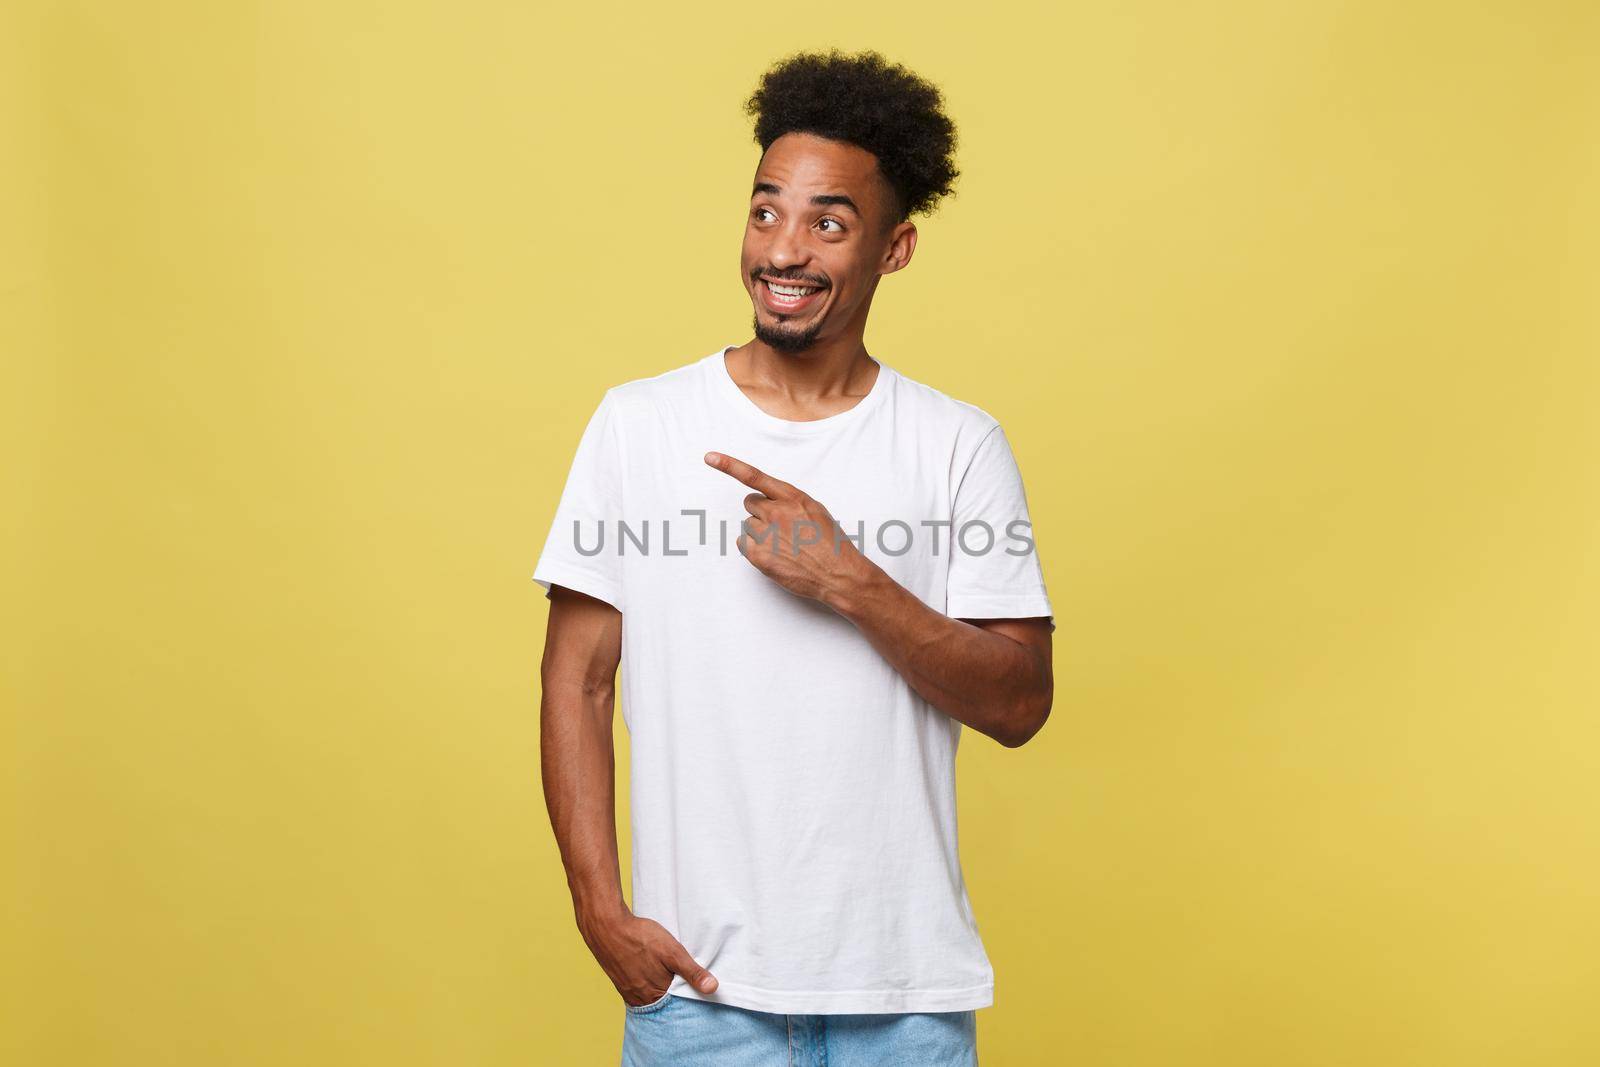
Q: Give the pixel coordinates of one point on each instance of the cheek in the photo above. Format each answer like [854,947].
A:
[842,272]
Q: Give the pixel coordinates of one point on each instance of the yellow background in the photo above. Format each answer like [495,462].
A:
[1288,308]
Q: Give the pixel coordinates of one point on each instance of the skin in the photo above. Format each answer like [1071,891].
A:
[993,675]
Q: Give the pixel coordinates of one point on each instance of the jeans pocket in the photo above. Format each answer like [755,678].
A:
[642,1009]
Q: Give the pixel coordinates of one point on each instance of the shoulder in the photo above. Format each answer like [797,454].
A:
[649,396]
[967,424]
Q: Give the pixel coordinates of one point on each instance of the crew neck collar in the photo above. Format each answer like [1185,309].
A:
[723,383]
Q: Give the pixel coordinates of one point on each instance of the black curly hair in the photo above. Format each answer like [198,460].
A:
[864,100]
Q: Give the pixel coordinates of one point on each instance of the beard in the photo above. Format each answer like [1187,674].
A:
[786,338]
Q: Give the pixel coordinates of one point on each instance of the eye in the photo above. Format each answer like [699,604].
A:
[759,210]
[836,222]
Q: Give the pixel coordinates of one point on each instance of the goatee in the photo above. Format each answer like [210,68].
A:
[782,340]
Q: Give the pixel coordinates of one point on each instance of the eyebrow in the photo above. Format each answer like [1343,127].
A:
[821,199]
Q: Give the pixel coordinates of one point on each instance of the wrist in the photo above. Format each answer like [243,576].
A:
[867,583]
[596,912]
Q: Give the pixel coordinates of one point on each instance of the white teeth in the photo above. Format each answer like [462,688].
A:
[789,290]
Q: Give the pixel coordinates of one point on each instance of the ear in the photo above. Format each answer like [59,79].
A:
[902,242]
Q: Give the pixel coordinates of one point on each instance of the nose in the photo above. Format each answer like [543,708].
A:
[788,248]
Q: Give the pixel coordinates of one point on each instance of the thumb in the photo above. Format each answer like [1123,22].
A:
[693,973]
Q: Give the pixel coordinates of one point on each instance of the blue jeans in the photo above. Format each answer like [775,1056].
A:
[684,1032]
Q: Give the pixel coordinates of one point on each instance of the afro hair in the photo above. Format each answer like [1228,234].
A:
[866,101]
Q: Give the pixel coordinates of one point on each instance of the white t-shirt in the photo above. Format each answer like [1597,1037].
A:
[793,798]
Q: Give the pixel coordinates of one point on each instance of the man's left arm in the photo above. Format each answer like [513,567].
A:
[993,675]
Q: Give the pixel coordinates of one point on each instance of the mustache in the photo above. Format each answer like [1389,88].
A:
[782,276]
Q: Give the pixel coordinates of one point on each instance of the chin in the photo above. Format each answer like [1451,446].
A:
[786,339]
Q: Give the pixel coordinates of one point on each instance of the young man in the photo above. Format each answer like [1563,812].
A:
[812,570]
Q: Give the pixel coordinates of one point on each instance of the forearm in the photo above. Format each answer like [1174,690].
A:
[578,765]
[987,681]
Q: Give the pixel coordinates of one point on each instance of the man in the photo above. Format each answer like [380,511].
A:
[812,570]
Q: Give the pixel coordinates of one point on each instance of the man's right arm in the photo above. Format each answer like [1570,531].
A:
[583,646]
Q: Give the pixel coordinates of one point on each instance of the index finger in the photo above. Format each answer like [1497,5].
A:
[755,479]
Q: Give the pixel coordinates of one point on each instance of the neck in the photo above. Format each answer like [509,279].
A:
[828,370]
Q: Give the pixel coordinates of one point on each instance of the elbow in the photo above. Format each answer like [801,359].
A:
[1028,718]
[589,687]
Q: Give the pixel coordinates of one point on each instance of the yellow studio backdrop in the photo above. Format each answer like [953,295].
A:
[1289,310]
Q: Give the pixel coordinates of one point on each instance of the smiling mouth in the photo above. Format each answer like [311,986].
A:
[789,296]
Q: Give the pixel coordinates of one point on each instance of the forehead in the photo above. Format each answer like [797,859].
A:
[803,162]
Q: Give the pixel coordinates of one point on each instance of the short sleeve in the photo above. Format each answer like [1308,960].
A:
[994,562]
[578,552]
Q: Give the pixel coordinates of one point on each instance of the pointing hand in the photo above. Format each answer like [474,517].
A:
[792,538]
